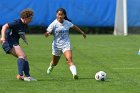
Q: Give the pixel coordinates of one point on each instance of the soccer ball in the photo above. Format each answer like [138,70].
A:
[100,76]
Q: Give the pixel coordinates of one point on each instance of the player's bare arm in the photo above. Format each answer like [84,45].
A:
[4,28]
[79,30]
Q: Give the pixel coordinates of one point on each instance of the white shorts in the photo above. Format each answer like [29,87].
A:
[59,51]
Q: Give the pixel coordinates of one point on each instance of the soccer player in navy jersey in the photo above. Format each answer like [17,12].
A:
[10,34]
[61,42]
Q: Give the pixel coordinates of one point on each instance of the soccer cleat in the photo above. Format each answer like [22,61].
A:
[49,70]
[75,77]
[20,77]
[29,79]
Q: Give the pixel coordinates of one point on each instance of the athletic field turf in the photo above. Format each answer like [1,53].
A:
[116,55]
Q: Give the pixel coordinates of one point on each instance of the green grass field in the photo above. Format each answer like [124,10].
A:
[116,55]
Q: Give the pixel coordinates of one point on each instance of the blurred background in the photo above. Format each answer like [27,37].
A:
[93,16]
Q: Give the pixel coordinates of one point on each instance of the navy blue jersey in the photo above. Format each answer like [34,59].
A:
[15,29]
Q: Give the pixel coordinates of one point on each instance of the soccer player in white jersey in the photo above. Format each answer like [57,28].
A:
[61,42]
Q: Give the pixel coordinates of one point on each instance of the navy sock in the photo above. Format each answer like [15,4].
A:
[26,69]
[20,63]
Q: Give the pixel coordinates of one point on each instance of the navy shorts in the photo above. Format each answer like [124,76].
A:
[6,47]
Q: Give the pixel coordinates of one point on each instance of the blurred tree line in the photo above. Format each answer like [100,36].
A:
[87,30]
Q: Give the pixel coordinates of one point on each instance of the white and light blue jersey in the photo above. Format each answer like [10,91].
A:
[61,33]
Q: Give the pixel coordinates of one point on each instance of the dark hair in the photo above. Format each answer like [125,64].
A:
[64,12]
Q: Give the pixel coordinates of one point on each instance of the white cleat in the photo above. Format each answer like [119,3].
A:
[49,70]
[29,79]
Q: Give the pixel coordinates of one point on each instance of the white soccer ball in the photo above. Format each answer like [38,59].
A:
[100,76]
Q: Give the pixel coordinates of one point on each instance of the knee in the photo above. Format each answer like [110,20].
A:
[23,56]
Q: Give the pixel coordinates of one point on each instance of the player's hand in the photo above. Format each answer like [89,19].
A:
[24,38]
[47,34]
[84,35]
[25,41]
[2,40]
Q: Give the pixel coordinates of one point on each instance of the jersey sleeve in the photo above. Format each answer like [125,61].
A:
[12,24]
[50,28]
[70,24]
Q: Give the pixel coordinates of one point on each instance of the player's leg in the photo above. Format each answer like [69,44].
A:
[53,63]
[68,56]
[9,49]
[18,52]
[56,54]
[22,62]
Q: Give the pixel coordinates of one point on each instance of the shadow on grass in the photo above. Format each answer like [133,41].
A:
[108,79]
[86,78]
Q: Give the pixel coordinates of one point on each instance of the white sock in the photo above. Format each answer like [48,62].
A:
[73,69]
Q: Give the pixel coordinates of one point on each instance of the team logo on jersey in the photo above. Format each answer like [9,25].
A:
[61,31]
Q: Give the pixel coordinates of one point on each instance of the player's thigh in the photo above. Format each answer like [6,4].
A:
[18,51]
[68,55]
[56,54]
[12,52]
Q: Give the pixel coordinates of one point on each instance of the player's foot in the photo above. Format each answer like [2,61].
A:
[75,77]
[20,77]
[49,70]
[29,79]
